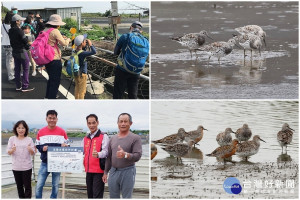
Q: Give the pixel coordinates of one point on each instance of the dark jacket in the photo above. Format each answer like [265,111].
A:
[18,42]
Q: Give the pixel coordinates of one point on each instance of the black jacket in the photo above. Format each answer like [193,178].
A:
[18,42]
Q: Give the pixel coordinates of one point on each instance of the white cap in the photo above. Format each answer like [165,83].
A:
[79,39]
[17,17]
[14,8]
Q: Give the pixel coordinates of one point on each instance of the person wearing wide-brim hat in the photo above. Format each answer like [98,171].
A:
[19,44]
[54,67]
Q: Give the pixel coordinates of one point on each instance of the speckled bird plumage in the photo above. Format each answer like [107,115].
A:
[172,139]
[285,136]
[195,135]
[244,133]
[249,148]
[225,138]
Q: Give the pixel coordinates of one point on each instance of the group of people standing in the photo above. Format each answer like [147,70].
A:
[106,160]
[18,34]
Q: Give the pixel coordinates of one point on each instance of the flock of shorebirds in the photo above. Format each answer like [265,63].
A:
[181,143]
[251,38]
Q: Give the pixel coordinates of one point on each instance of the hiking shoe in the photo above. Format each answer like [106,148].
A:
[33,73]
[19,89]
[27,89]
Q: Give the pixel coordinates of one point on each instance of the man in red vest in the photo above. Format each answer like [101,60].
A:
[95,146]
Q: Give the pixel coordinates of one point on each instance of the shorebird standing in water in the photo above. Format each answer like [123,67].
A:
[253,29]
[172,139]
[218,49]
[192,40]
[249,42]
[285,136]
[244,133]
[179,149]
[249,148]
[224,152]
[195,135]
[224,138]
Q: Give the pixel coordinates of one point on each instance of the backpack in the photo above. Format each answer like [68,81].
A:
[72,65]
[136,53]
[41,51]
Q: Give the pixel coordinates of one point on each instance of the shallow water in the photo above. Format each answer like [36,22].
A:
[199,172]
[274,74]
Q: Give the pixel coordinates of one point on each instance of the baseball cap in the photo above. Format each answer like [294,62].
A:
[17,17]
[79,39]
[14,8]
[137,24]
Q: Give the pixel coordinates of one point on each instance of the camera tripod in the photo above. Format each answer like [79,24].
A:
[90,83]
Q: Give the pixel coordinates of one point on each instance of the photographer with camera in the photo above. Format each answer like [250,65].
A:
[81,44]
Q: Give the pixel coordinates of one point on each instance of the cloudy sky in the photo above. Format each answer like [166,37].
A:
[71,114]
[87,6]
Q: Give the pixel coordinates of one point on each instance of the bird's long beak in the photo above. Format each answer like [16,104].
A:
[209,37]
[291,129]
[237,46]
[205,129]
[265,42]
[262,140]
[233,132]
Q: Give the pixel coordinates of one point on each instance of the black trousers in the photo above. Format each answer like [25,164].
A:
[95,185]
[125,80]
[23,180]
[54,71]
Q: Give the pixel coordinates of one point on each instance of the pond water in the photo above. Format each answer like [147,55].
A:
[202,173]
[273,75]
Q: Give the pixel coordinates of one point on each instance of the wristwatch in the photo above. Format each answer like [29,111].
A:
[126,156]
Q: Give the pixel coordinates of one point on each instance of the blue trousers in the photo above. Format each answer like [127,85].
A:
[42,176]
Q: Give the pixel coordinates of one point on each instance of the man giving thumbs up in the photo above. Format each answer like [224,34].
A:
[95,146]
[124,150]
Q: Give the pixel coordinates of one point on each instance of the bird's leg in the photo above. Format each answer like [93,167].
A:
[191,53]
[208,60]
[196,54]
[251,54]
[286,149]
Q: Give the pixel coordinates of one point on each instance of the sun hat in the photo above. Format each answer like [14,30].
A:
[17,17]
[79,39]
[137,24]
[55,20]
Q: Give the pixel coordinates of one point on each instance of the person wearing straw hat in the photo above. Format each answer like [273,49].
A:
[55,66]
[19,44]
